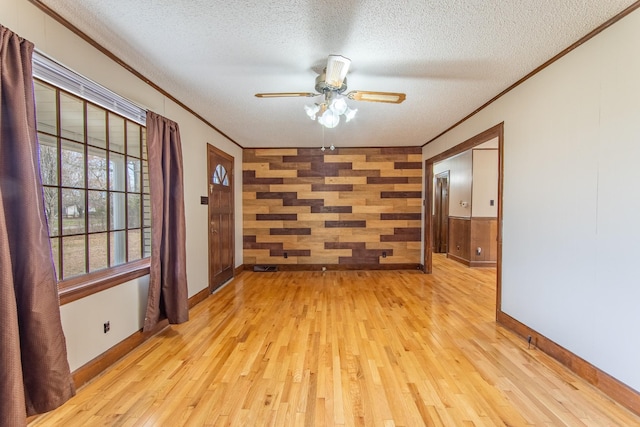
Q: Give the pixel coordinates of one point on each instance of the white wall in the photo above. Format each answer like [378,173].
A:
[473,182]
[460,182]
[124,305]
[485,184]
[82,321]
[571,232]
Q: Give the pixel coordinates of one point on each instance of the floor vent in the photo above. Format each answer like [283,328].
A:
[265,268]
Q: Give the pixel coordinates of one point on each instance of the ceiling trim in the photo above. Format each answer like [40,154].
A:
[46,9]
[582,40]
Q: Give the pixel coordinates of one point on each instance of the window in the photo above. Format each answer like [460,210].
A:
[220,176]
[95,177]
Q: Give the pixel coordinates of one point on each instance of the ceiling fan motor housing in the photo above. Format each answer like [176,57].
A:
[322,86]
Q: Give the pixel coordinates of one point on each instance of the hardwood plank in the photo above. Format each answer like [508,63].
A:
[341,348]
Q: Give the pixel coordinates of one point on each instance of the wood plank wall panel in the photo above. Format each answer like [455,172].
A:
[342,207]
[484,234]
[467,234]
[459,239]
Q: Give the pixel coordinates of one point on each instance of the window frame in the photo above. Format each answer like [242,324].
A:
[88,283]
[78,287]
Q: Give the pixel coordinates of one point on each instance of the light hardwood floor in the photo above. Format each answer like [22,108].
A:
[370,348]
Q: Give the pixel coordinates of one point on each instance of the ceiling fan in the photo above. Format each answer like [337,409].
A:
[332,83]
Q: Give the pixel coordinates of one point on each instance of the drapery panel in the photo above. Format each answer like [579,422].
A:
[168,292]
[34,371]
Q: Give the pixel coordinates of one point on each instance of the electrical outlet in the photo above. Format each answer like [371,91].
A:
[107,326]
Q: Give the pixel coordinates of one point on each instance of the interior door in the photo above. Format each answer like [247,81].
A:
[221,217]
[441,207]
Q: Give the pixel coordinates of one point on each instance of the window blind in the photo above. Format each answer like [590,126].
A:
[56,74]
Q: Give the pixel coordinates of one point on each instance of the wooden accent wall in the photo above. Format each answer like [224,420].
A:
[338,209]
[468,234]
[459,239]
[484,234]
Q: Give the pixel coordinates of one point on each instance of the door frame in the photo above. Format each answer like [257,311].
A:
[230,172]
[496,131]
[438,203]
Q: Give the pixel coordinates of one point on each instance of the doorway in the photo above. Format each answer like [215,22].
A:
[441,214]
[221,216]
[496,131]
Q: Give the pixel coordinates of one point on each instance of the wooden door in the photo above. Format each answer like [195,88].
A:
[441,214]
[221,217]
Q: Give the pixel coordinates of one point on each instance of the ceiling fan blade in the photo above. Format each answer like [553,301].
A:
[337,68]
[285,94]
[390,97]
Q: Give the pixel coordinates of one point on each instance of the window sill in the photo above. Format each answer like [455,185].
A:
[89,284]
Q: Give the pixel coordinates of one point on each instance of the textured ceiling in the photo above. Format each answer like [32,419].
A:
[449,57]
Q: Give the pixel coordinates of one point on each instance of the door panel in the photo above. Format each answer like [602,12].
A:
[441,220]
[221,217]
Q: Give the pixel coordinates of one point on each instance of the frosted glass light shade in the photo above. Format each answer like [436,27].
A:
[350,114]
[312,111]
[329,119]
[339,105]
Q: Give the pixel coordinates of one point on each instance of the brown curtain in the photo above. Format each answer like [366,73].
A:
[168,293]
[34,372]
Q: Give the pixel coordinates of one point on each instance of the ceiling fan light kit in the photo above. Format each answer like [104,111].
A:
[328,113]
[332,83]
